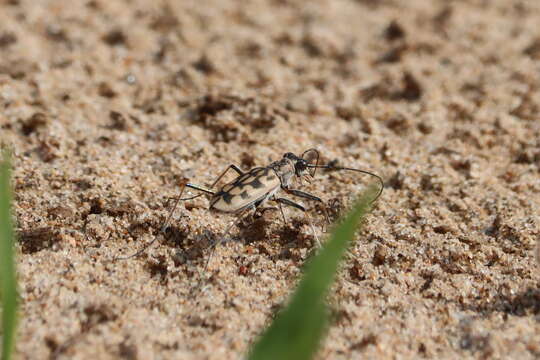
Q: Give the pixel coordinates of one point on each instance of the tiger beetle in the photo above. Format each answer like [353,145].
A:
[253,188]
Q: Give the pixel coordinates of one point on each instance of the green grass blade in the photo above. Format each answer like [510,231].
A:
[8,282]
[297,331]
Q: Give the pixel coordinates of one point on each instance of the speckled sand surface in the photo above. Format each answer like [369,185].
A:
[108,105]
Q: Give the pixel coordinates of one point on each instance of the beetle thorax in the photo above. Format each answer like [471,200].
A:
[284,169]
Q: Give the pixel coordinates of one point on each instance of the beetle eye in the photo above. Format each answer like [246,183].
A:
[289,155]
[300,167]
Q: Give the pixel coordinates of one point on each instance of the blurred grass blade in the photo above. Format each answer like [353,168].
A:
[8,285]
[297,331]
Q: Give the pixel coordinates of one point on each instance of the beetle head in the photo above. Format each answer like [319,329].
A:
[300,165]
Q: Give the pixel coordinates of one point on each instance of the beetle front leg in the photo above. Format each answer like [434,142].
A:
[303,194]
[303,209]
[311,197]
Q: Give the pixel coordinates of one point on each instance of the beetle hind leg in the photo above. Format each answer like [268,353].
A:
[225,234]
[163,227]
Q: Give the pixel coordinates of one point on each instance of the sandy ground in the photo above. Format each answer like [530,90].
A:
[108,105]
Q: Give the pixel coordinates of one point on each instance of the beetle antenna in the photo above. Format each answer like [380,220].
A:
[330,167]
[316,161]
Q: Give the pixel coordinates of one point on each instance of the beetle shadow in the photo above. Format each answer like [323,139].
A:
[292,235]
[188,247]
[277,237]
[295,238]
[253,229]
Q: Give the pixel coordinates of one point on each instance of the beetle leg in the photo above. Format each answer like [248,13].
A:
[198,188]
[282,213]
[232,166]
[300,207]
[261,210]
[207,191]
[308,196]
[234,222]
[303,194]
[290,203]
[165,224]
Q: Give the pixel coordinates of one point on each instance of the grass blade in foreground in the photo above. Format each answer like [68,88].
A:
[298,330]
[8,285]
